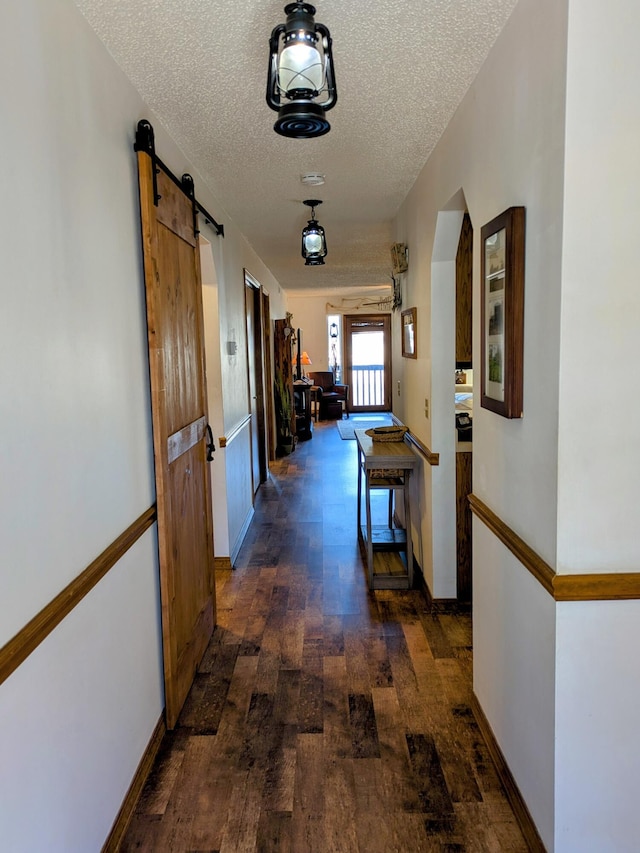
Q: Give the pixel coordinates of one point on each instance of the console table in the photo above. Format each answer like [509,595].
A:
[386,465]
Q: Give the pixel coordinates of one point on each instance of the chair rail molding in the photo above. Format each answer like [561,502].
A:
[600,586]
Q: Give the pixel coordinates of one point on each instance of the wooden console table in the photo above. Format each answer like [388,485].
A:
[386,465]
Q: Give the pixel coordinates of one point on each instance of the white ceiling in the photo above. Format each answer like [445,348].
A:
[402,67]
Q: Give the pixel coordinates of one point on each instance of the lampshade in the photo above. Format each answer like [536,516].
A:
[304,358]
[314,242]
[301,81]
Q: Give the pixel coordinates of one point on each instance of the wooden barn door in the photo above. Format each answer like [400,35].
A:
[179,410]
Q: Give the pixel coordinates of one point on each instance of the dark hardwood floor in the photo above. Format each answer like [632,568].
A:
[324,717]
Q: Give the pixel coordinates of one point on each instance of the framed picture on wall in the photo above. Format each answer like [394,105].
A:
[409,333]
[502,313]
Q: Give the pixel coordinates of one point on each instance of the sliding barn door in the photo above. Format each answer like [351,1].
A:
[179,407]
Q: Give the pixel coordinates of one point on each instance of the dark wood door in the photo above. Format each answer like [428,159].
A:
[253,387]
[256,373]
[368,362]
[464,295]
[269,412]
[179,407]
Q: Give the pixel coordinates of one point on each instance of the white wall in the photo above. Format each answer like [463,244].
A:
[597,760]
[599,460]
[76,453]
[77,461]
[213,346]
[598,753]
[514,670]
[503,147]
[441,417]
[556,681]
[310,311]
[232,255]
[76,717]
[310,316]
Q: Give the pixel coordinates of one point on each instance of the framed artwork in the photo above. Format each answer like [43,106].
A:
[502,313]
[409,333]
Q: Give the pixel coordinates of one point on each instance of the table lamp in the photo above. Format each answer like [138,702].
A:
[301,361]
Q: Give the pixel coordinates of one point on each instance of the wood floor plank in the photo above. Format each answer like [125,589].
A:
[432,787]
[333,635]
[339,806]
[292,640]
[337,736]
[324,717]
[253,633]
[311,699]
[162,779]
[364,732]
[355,655]
[280,777]
[274,832]
[142,833]
[399,791]
[204,706]
[243,816]
[379,832]
[176,826]
[369,786]
[456,766]
[228,740]
[377,658]
[213,799]
[309,783]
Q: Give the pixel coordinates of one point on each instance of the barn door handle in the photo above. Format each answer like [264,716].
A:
[210,445]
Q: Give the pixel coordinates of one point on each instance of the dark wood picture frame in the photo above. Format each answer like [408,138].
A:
[502,313]
[409,331]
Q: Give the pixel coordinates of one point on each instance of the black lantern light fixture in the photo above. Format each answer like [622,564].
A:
[314,243]
[301,82]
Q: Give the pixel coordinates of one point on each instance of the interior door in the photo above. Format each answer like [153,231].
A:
[269,412]
[368,361]
[179,407]
[255,369]
[253,389]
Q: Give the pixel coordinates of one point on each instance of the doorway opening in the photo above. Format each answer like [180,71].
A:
[368,361]
[464,410]
[449,569]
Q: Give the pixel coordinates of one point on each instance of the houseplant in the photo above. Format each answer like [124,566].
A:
[284,412]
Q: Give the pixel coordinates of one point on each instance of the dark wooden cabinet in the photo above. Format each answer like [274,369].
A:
[464,279]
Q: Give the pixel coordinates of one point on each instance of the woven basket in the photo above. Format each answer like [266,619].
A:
[387,433]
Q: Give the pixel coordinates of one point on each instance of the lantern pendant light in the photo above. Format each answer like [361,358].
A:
[314,244]
[301,81]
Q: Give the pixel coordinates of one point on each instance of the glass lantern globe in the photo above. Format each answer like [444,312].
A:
[300,80]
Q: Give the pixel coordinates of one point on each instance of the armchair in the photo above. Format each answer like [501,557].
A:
[331,396]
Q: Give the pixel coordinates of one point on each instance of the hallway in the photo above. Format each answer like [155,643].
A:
[324,717]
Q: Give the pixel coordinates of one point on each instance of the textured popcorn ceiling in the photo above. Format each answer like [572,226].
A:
[402,68]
